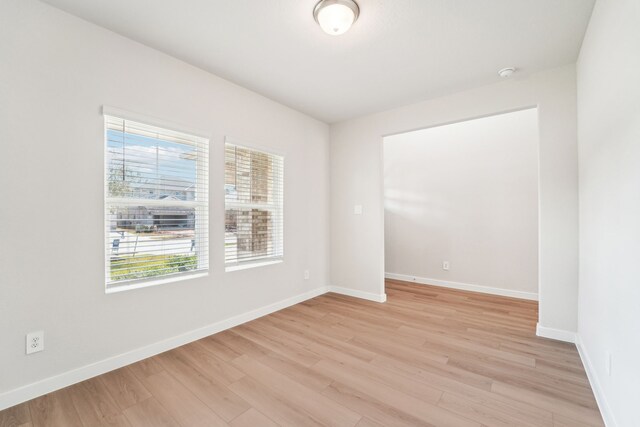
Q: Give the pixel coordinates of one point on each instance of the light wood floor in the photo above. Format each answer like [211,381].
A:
[429,356]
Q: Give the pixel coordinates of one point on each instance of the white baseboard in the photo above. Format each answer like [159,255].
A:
[555,334]
[464,286]
[358,294]
[39,388]
[603,404]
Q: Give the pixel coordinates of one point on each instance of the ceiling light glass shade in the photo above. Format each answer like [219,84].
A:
[335,17]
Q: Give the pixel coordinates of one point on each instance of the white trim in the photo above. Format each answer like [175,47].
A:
[464,286]
[603,404]
[248,265]
[48,385]
[238,142]
[465,119]
[358,294]
[145,283]
[555,334]
[154,121]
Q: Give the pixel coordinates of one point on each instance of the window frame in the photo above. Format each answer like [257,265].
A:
[277,206]
[201,206]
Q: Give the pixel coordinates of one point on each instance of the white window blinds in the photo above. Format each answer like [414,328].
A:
[253,206]
[156,203]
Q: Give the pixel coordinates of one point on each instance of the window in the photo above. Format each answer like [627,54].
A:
[253,206]
[156,204]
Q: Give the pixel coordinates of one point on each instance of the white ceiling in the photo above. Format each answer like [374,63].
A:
[398,52]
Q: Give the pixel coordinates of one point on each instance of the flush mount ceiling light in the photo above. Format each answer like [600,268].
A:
[335,17]
[506,72]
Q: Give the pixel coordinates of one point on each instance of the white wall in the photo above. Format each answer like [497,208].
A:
[466,193]
[56,72]
[357,241]
[609,153]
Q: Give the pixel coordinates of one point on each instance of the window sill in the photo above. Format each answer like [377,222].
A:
[152,282]
[251,265]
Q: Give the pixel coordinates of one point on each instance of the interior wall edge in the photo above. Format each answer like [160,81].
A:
[555,334]
[358,294]
[598,391]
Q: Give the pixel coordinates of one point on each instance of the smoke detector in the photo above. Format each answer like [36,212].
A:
[506,72]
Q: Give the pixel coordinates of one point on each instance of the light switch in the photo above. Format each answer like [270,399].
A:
[357,210]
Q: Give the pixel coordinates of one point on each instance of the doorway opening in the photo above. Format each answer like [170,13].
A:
[461,205]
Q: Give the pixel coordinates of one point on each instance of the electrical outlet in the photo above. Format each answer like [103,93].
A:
[608,362]
[357,210]
[445,265]
[306,275]
[35,342]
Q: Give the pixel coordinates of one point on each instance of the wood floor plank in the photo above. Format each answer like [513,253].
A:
[366,422]
[95,405]
[53,410]
[252,418]
[369,372]
[180,402]
[302,374]
[217,345]
[527,379]
[487,415]
[324,410]
[417,358]
[277,344]
[145,368]
[125,388]
[564,421]
[204,385]
[277,409]
[587,416]
[429,356]
[520,410]
[149,413]
[419,408]
[340,345]
[208,362]
[16,416]
[333,331]
[378,410]
[465,345]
